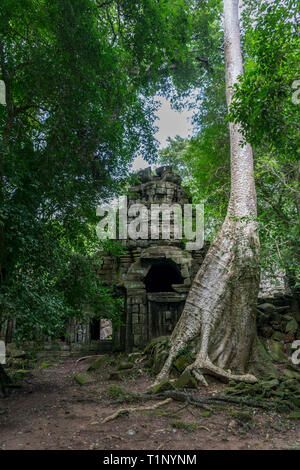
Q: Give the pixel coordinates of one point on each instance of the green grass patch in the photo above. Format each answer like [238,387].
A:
[184,426]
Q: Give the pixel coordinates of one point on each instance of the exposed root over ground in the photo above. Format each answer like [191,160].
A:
[123,411]
[201,368]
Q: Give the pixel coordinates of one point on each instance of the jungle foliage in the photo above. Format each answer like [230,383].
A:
[79,78]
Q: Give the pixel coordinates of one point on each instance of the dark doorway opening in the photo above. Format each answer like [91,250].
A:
[161,277]
[95,329]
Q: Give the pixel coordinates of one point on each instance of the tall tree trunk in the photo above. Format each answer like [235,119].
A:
[221,303]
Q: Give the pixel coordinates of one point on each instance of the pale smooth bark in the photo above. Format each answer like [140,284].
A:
[219,310]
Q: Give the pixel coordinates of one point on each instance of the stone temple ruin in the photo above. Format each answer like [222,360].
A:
[154,275]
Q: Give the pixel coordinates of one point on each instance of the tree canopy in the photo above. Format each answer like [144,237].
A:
[79,78]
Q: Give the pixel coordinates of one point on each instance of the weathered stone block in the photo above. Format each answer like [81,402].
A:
[83,378]
[137,329]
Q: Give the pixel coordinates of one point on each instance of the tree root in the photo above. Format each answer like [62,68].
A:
[200,368]
[203,402]
[88,357]
[123,411]
[243,401]
[188,399]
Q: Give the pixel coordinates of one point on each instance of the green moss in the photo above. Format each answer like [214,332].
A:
[277,351]
[44,365]
[281,395]
[83,378]
[186,380]
[295,415]
[114,392]
[277,336]
[98,364]
[292,326]
[187,427]
[264,367]
[243,416]
[164,340]
[291,374]
[183,361]
[163,387]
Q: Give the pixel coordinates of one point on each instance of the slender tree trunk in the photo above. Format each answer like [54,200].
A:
[220,307]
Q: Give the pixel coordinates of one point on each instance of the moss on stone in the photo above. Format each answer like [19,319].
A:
[161,340]
[186,380]
[183,361]
[277,352]
[98,364]
[83,378]
[163,387]
[277,336]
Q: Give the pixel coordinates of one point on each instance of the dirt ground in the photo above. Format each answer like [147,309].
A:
[51,411]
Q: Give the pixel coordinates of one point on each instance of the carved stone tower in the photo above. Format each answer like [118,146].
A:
[154,275]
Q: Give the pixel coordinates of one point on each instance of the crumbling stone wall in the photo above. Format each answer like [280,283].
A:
[130,271]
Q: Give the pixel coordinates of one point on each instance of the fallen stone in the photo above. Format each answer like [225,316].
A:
[292,326]
[96,365]
[277,336]
[267,308]
[83,378]
[277,351]
[163,386]
[182,362]
[13,351]
[162,339]
[186,380]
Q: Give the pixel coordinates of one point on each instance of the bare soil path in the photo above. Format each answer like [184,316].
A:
[52,411]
